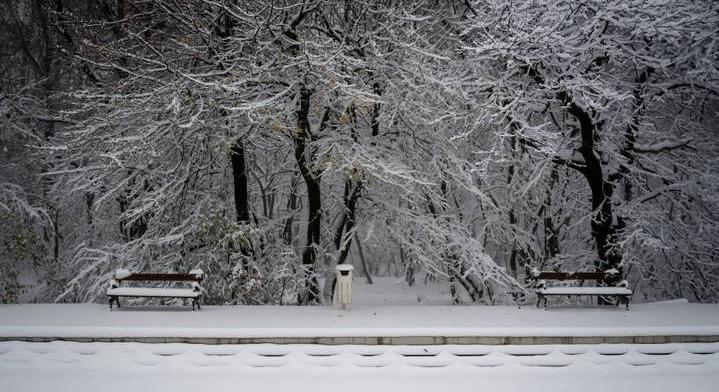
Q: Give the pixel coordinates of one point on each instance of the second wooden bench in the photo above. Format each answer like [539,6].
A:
[621,291]
[115,291]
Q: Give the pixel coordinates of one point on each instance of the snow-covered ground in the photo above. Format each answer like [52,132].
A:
[386,309]
[96,320]
[136,367]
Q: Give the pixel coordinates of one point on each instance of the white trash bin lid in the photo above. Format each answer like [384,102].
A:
[344,267]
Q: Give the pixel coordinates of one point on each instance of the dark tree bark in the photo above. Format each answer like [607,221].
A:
[408,267]
[314,196]
[287,231]
[239,176]
[512,217]
[363,261]
[604,231]
[301,138]
[342,241]
[242,208]
[551,232]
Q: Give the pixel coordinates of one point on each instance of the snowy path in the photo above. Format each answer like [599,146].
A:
[137,367]
[247,322]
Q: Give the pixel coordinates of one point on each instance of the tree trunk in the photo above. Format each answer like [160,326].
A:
[309,255]
[365,270]
[408,267]
[287,231]
[603,229]
[343,238]
[242,208]
[239,175]
[551,233]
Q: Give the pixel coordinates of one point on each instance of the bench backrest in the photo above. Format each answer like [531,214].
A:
[162,278]
[552,275]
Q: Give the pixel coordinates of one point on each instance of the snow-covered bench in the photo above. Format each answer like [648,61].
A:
[621,291]
[115,291]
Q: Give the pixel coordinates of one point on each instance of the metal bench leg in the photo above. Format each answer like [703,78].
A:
[539,299]
[545,302]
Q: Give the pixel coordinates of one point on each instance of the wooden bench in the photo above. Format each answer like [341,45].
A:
[621,291]
[115,291]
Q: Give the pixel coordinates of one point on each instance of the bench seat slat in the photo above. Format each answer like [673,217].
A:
[552,275]
[155,292]
[585,291]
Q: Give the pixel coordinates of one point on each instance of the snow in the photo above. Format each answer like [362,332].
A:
[72,366]
[122,274]
[585,290]
[152,292]
[386,308]
[96,320]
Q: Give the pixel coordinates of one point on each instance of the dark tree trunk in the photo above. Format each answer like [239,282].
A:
[242,208]
[353,189]
[342,241]
[408,267]
[287,232]
[303,135]
[551,233]
[517,257]
[603,230]
[56,236]
[363,261]
[312,181]
[376,110]
[239,175]
[352,192]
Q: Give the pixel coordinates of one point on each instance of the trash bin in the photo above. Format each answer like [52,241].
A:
[343,287]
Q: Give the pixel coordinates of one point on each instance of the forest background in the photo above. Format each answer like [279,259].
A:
[464,143]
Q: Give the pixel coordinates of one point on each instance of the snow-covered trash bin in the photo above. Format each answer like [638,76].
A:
[343,287]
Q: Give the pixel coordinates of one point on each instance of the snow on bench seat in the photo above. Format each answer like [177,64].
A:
[621,291]
[115,291]
[152,292]
[578,290]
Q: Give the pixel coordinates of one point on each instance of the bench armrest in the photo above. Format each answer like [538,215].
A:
[198,273]
[534,273]
[540,284]
[114,284]
[121,274]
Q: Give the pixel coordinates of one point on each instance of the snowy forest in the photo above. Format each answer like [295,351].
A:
[461,142]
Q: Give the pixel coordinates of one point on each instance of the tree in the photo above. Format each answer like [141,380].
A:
[583,86]
[468,141]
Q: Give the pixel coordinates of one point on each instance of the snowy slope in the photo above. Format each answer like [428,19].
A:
[69,366]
